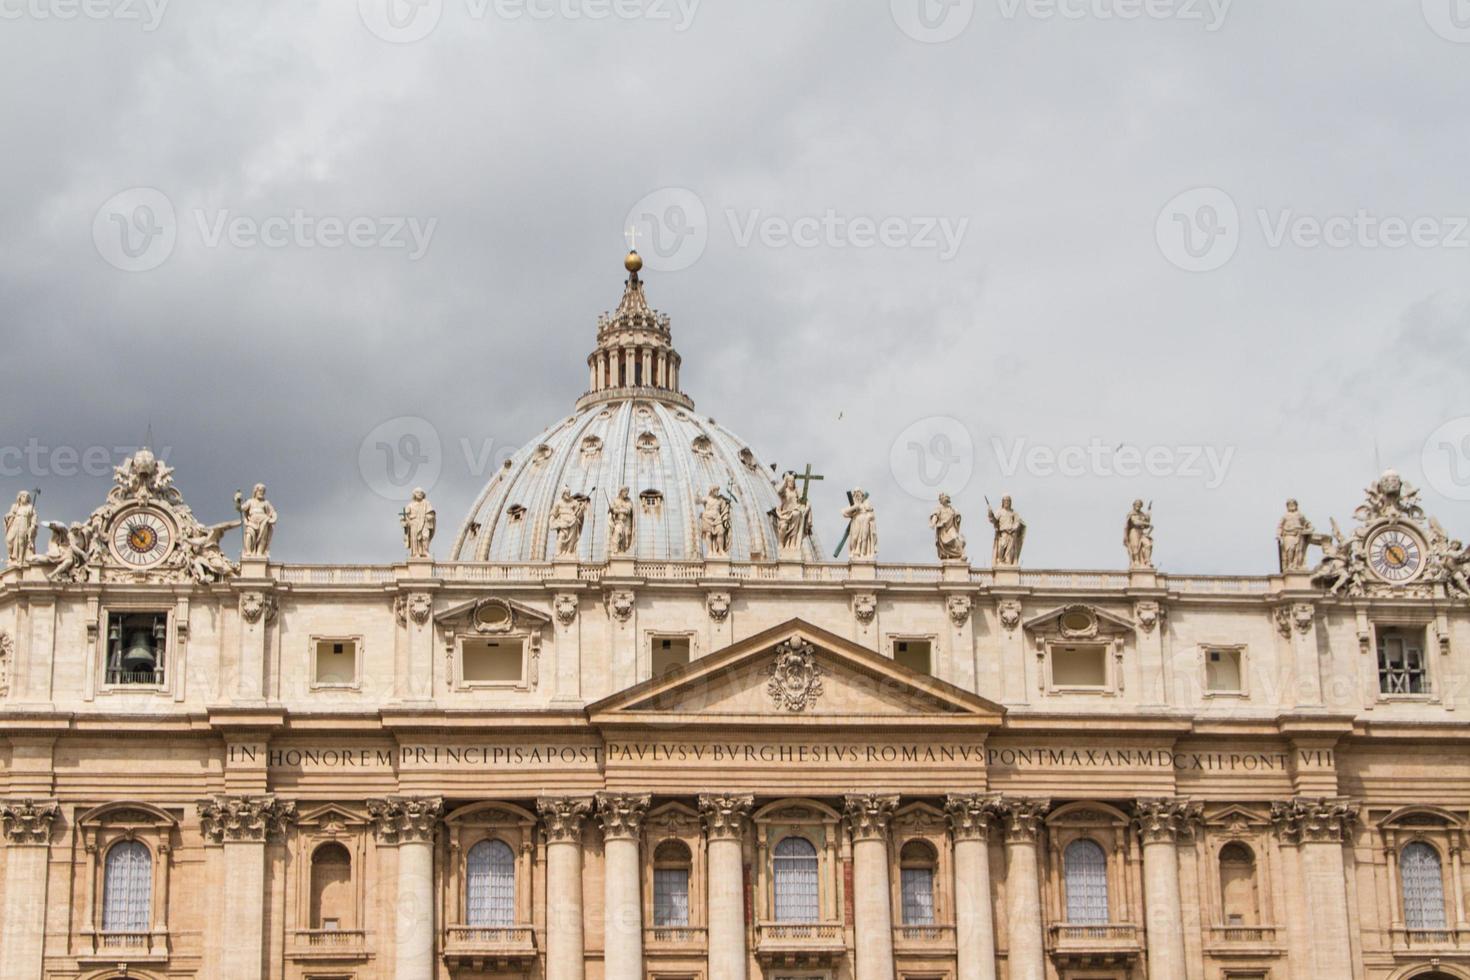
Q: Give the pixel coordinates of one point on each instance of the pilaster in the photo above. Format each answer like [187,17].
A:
[970,818]
[726,818]
[27,827]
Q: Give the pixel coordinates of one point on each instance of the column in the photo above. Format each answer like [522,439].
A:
[621,817]
[725,820]
[867,820]
[27,828]
[1317,827]
[409,824]
[242,825]
[969,821]
[562,817]
[1025,945]
[1159,824]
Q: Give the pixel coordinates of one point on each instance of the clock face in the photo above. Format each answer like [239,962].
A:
[142,538]
[1395,555]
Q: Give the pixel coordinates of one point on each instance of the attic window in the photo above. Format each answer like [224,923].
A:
[491,662]
[516,513]
[652,500]
[1080,666]
[702,446]
[336,663]
[648,443]
[916,655]
[591,446]
[669,653]
[1078,621]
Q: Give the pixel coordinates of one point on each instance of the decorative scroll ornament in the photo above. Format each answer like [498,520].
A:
[405,820]
[1165,820]
[255,606]
[620,605]
[717,604]
[28,822]
[725,817]
[864,607]
[245,818]
[1010,615]
[868,815]
[565,607]
[622,815]
[1148,615]
[1299,615]
[1307,820]
[562,817]
[416,606]
[796,677]
[970,815]
[959,607]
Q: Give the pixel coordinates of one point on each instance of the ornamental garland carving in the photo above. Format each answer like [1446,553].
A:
[416,606]
[717,604]
[1010,615]
[1307,820]
[245,818]
[1299,615]
[1148,615]
[28,822]
[620,605]
[622,815]
[565,607]
[255,606]
[405,820]
[864,607]
[725,817]
[795,678]
[562,818]
[959,607]
[868,815]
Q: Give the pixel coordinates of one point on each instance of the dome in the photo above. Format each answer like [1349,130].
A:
[633,428]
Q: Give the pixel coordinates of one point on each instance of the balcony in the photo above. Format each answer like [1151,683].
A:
[799,943]
[1105,944]
[326,944]
[674,939]
[927,939]
[1448,939]
[1242,940]
[125,947]
[491,947]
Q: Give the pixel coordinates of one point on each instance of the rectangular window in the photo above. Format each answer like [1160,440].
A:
[491,661]
[917,887]
[137,643]
[1082,665]
[669,653]
[916,655]
[334,663]
[1401,661]
[671,897]
[1223,670]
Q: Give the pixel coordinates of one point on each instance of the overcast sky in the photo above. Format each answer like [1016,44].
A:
[977,247]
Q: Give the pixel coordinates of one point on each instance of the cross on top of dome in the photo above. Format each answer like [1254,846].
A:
[635,354]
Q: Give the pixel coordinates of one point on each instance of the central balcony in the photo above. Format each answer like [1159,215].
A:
[125,947]
[494,947]
[799,943]
[927,939]
[1242,940]
[1094,945]
[674,939]
[327,944]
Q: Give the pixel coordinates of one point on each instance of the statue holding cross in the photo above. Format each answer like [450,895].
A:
[793,518]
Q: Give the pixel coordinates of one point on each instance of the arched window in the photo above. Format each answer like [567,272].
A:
[794,866]
[1086,870]
[490,884]
[916,864]
[1423,885]
[127,888]
[671,884]
[331,887]
[1238,885]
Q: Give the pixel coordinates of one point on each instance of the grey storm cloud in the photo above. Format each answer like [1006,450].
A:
[1070,250]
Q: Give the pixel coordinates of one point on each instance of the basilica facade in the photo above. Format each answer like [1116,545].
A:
[635,724]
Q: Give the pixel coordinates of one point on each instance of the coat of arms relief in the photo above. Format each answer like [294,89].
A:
[795,677]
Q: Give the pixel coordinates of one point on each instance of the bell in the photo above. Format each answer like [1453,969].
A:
[139,653]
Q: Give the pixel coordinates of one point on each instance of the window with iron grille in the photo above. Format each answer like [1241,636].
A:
[1085,866]
[671,884]
[1401,661]
[794,867]
[490,884]
[916,883]
[127,888]
[1423,884]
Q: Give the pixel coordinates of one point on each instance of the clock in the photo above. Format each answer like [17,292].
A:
[1396,555]
[142,538]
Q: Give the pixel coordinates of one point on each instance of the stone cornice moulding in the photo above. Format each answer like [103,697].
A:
[621,815]
[255,819]
[868,815]
[562,818]
[405,820]
[725,817]
[28,822]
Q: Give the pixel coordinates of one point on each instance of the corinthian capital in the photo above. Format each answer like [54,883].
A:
[868,815]
[406,819]
[1165,820]
[28,822]
[1022,817]
[562,817]
[245,818]
[1307,820]
[970,815]
[725,816]
[621,815]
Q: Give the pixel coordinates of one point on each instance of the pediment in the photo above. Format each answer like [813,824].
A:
[1079,621]
[797,674]
[491,615]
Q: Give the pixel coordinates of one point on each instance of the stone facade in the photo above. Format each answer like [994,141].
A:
[718,768]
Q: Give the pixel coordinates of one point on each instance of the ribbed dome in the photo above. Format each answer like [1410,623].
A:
[633,428]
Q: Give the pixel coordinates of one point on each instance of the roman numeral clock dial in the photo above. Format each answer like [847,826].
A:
[142,539]
[1395,555]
